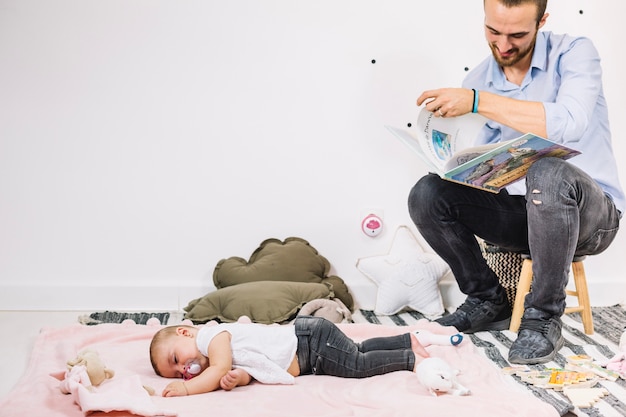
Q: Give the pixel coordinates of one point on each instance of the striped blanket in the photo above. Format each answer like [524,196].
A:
[609,324]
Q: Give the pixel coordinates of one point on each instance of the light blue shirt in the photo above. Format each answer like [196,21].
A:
[566,76]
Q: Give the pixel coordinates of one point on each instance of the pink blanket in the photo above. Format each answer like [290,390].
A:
[124,348]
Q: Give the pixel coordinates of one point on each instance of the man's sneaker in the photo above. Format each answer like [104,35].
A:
[539,338]
[476,315]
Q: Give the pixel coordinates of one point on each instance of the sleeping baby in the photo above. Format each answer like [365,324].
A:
[228,355]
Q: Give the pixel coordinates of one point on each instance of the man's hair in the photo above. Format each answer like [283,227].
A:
[541,5]
[157,342]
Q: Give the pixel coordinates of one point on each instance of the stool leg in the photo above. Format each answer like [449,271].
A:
[523,287]
[580,281]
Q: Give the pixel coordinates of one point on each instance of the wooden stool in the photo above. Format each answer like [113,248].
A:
[581,292]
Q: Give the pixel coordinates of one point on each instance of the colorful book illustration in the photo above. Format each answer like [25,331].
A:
[446,146]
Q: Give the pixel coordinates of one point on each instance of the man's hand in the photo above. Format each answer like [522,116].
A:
[521,115]
[175,389]
[448,102]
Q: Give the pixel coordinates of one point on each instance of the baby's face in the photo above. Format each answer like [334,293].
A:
[177,352]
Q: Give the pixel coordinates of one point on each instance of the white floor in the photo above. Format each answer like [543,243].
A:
[19,330]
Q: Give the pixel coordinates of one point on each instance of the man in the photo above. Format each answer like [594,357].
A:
[549,85]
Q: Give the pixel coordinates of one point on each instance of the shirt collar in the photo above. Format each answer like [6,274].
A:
[540,53]
[495,75]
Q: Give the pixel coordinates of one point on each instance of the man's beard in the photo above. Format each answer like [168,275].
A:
[517,56]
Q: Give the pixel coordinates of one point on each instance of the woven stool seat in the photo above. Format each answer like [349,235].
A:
[506,265]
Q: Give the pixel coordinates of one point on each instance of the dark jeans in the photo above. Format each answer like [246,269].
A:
[323,349]
[564,213]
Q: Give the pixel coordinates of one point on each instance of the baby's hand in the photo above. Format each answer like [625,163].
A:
[175,389]
[234,378]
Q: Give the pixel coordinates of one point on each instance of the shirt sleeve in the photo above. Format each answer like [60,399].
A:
[205,335]
[579,73]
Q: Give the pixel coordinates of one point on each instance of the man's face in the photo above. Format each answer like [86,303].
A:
[511,32]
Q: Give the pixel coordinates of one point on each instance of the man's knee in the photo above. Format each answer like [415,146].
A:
[420,190]
[546,167]
[546,179]
[423,196]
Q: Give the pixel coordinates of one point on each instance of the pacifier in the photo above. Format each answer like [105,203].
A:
[192,368]
[456,339]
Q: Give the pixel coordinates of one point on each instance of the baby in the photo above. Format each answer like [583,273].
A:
[230,355]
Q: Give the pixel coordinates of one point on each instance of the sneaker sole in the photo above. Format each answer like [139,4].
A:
[543,359]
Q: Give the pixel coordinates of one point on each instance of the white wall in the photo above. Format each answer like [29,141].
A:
[143,141]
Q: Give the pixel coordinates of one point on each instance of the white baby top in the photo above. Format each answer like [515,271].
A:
[264,351]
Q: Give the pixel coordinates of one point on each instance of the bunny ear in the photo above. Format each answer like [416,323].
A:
[345,311]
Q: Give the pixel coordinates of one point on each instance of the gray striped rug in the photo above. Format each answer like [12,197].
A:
[609,323]
[118,317]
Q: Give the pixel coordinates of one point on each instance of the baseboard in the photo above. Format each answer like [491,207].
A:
[174,298]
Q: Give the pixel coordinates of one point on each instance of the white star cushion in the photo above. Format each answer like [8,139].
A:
[406,277]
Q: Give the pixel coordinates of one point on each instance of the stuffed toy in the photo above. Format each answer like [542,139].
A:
[87,369]
[427,339]
[407,276]
[618,362]
[333,310]
[439,378]
[291,260]
[278,279]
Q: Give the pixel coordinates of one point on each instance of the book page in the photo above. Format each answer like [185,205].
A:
[467,154]
[442,137]
[412,142]
[508,162]
[444,144]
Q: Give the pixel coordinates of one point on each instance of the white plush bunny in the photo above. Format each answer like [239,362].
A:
[436,375]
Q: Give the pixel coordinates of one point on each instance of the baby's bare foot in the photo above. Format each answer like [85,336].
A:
[234,378]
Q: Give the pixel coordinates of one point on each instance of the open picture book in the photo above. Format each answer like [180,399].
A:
[446,145]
